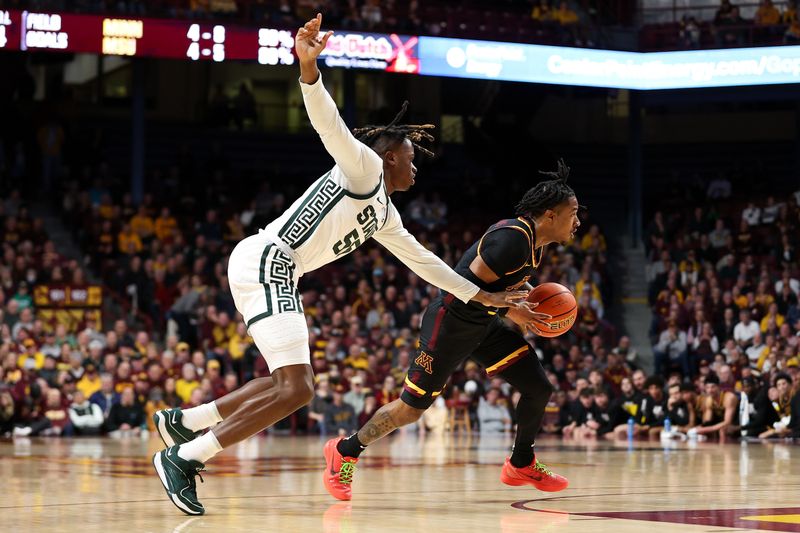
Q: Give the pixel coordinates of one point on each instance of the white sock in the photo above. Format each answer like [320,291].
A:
[201,417]
[200,449]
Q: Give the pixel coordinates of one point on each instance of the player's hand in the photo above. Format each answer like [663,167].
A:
[529,320]
[308,43]
[500,299]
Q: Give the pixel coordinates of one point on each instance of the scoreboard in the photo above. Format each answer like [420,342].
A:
[194,41]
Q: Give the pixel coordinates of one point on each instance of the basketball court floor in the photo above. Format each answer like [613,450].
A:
[405,483]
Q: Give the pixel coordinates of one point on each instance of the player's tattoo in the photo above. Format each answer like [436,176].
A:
[379,425]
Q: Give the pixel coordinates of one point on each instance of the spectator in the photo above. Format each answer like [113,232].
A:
[719,235]
[767,14]
[142,224]
[583,417]
[705,345]
[7,413]
[49,347]
[541,12]
[55,412]
[155,402]
[128,242]
[106,397]
[355,396]
[171,397]
[26,322]
[126,418]
[31,358]
[23,296]
[388,393]
[628,353]
[493,415]
[593,241]
[671,349]
[788,281]
[745,330]
[340,418]
[564,15]
[86,417]
[370,406]
[436,417]
[187,383]
[689,32]
[752,214]
[568,23]
[90,381]
[319,404]
[772,210]
[724,12]
[728,25]
[772,320]
[166,227]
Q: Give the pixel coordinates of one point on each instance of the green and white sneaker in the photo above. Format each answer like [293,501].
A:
[177,476]
[171,429]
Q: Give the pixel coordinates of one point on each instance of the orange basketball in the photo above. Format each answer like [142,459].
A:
[557,301]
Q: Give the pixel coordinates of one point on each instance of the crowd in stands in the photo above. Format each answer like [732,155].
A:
[723,288]
[769,24]
[724,292]
[549,21]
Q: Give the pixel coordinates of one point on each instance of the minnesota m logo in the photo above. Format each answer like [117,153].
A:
[424,360]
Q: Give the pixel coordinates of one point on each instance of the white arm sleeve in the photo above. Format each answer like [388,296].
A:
[361,167]
[420,260]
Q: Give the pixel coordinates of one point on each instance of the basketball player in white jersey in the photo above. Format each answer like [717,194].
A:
[339,212]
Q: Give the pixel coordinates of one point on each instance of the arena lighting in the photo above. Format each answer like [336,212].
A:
[607,68]
[431,56]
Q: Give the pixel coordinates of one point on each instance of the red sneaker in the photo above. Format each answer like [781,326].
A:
[338,475]
[535,474]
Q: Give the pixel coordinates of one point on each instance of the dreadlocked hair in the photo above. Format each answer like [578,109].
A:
[546,194]
[381,138]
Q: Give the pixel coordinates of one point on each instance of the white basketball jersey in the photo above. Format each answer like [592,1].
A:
[350,204]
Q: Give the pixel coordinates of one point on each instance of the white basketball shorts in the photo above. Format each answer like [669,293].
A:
[263,279]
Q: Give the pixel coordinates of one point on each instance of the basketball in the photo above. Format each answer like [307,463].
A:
[557,301]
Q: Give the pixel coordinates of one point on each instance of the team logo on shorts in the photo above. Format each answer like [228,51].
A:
[424,360]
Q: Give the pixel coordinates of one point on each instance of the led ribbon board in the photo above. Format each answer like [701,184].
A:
[431,56]
[607,68]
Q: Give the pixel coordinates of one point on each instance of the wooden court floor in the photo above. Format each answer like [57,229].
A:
[405,483]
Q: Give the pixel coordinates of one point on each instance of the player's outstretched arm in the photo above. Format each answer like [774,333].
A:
[429,267]
[361,166]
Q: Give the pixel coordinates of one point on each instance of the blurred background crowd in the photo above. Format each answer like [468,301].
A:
[112,308]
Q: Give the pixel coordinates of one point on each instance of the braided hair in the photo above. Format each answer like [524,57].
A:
[546,194]
[381,138]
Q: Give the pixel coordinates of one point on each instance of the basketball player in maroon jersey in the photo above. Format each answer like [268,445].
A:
[504,258]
